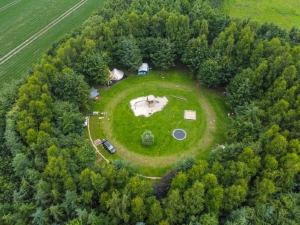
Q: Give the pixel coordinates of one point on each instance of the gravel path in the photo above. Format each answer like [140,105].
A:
[40,33]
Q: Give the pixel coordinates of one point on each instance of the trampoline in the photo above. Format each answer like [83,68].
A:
[179,134]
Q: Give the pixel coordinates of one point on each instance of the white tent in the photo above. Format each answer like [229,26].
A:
[117,74]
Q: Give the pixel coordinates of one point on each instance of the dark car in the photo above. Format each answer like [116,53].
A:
[108,146]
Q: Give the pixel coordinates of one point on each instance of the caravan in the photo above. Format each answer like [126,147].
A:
[144,69]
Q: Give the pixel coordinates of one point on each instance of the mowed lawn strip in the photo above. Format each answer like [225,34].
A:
[20,63]
[156,157]
[217,102]
[283,13]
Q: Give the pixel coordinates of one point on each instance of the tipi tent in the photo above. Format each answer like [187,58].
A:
[117,74]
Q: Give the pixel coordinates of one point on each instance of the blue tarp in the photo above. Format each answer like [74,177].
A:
[94,93]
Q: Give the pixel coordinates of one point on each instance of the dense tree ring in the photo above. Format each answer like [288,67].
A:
[179,134]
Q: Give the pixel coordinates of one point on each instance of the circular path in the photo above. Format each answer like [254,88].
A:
[162,161]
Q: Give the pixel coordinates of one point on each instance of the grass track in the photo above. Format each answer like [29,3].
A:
[4,3]
[283,13]
[9,4]
[25,59]
[24,19]
[40,32]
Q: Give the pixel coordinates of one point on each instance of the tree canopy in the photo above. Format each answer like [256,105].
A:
[49,174]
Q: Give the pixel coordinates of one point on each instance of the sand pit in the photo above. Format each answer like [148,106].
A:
[189,115]
[147,105]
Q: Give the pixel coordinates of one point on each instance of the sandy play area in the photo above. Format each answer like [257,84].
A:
[147,105]
[189,115]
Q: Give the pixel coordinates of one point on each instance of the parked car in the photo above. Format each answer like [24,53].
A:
[86,122]
[106,144]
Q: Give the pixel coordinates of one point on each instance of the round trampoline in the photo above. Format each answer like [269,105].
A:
[179,134]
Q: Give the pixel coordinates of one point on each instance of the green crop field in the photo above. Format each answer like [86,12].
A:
[6,3]
[283,13]
[22,20]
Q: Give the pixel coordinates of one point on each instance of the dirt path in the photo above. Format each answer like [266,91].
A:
[40,33]
[163,160]
[9,5]
[95,147]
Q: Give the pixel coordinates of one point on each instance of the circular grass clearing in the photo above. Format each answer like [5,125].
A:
[127,128]
[124,130]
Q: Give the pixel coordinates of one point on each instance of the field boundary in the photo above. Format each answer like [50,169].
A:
[9,5]
[40,33]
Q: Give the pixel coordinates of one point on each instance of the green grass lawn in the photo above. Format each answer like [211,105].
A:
[24,19]
[124,129]
[283,13]
[128,128]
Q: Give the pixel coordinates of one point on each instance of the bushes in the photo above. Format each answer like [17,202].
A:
[147,138]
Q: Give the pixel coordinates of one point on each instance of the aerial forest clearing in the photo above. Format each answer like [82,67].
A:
[226,148]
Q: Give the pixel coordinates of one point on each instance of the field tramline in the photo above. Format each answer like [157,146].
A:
[9,5]
[28,28]
[40,33]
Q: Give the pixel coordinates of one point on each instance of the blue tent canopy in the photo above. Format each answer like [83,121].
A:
[94,93]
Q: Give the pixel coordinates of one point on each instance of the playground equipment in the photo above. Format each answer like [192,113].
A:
[150,100]
[147,105]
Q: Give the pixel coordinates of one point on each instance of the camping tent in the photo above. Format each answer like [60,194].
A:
[117,74]
[144,69]
[94,93]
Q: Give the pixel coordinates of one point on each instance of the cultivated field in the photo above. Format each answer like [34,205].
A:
[29,27]
[4,4]
[284,13]
[124,129]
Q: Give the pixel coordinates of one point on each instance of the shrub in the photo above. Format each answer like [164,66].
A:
[147,138]
[185,164]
